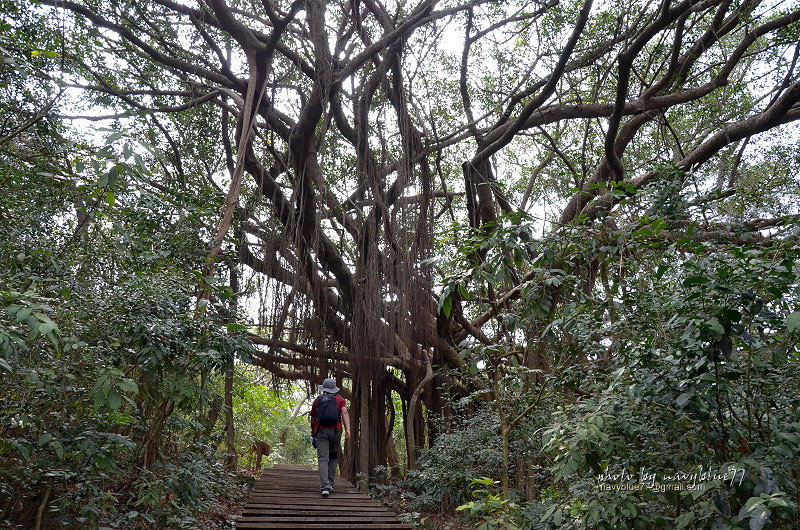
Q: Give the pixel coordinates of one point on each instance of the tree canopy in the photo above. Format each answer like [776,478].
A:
[544,199]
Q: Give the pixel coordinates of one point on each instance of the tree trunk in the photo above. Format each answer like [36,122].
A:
[364,434]
[366,449]
[230,440]
[415,424]
[152,441]
[213,415]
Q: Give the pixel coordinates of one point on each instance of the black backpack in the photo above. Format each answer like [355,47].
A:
[327,410]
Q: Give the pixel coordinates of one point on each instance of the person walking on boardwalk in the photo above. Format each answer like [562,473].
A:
[327,414]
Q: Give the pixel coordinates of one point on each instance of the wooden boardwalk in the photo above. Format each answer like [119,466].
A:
[289,497]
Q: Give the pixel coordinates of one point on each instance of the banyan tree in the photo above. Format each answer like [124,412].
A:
[349,135]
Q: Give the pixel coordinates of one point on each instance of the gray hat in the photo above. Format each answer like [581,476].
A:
[328,386]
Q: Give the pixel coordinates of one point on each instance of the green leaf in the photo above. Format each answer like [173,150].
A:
[42,317]
[58,448]
[114,400]
[684,520]
[549,512]
[447,306]
[23,450]
[44,439]
[683,399]
[23,314]
[5,366]
[473,367]
[752,501]
[777,501]
[462,290]
[759,518]
[110,198]
[114,137]
[127,385]
[109,178]
[793,322]
[715,326]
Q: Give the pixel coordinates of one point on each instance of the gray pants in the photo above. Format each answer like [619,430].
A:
[328,440]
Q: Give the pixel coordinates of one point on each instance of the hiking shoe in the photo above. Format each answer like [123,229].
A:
[326,492]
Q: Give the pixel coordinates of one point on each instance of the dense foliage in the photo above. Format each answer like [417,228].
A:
[273,415]
[549,250]
[106,372]
[685,361]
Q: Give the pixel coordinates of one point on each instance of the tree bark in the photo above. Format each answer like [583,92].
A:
[230,434]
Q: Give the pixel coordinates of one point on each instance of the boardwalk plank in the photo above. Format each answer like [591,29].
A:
[258,499]
[260,507]
[326,526]
[340,519]
[288,497]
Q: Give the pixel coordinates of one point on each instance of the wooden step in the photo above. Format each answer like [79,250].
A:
[289,497]
[323,526]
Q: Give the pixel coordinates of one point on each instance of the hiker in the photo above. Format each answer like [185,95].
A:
[327,414]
